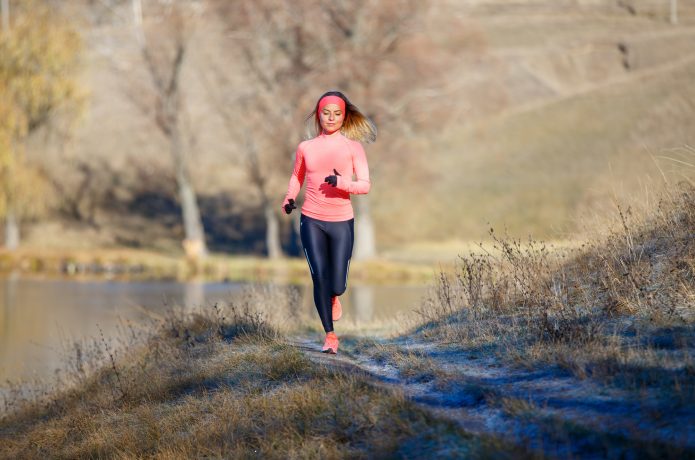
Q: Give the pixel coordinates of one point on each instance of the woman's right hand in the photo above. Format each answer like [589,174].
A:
[290,206]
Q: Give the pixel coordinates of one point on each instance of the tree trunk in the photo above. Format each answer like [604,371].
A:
[272,225]
[194,242]
[272,233]
[167,116]
[11,224]
[5,6]
[193,295]
[11,229]
[363,302]
[365,241]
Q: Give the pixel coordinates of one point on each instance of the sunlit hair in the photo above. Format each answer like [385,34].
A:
[356,126]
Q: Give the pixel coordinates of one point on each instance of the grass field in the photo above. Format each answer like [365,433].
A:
[525,352]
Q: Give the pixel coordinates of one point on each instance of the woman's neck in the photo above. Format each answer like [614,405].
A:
[335,133]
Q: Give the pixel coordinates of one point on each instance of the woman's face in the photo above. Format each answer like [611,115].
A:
[331,118]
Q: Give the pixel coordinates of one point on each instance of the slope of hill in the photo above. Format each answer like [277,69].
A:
[586,109]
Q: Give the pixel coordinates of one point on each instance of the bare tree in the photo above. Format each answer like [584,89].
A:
[293,52]
[5,7]
[273,44]
[238,116]
[363,45]
[163,55]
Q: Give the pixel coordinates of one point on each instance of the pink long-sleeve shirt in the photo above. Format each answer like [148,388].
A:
[315,159]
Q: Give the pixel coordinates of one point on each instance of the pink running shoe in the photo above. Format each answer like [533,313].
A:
[337,308]
[331,343]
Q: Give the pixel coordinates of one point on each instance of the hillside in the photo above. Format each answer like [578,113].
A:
[578,124]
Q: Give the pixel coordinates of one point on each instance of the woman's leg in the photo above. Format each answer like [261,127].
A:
[341,239]
[315,246]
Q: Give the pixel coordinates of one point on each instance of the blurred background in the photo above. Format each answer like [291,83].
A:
[168,127]
[144,123]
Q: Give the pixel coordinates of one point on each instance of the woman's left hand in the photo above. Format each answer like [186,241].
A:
[333,179]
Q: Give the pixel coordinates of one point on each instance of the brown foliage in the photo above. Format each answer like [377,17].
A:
[642,267]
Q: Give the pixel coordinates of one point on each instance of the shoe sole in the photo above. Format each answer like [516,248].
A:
[329,350]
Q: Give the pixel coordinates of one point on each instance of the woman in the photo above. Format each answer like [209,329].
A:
[327,162]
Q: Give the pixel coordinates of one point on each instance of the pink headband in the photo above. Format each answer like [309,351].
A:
[325,100]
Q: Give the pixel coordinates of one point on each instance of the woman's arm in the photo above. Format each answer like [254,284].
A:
[297,177]
[361,168]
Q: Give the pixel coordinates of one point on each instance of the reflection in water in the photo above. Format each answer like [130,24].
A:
[363,303]
[193,295]
[357,302]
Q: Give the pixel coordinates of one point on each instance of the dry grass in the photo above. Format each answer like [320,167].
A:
[619,308]
[223,383]
[556,434]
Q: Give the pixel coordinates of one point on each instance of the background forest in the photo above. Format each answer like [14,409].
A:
[144,123]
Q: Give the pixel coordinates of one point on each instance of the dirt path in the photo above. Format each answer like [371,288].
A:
[543,408]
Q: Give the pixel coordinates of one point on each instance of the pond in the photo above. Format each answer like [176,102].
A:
[40,317]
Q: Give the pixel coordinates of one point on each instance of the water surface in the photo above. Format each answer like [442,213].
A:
[39,318]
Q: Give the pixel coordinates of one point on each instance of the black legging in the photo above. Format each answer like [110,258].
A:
[328,248]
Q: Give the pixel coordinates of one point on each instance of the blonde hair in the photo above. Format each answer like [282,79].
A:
[356,125]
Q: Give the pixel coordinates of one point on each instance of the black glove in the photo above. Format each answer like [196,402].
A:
[290,206]
[333,180]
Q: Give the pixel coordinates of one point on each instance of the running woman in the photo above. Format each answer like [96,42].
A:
[327,163]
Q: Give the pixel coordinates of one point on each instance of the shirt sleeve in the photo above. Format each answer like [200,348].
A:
[297,177]
[360,167]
